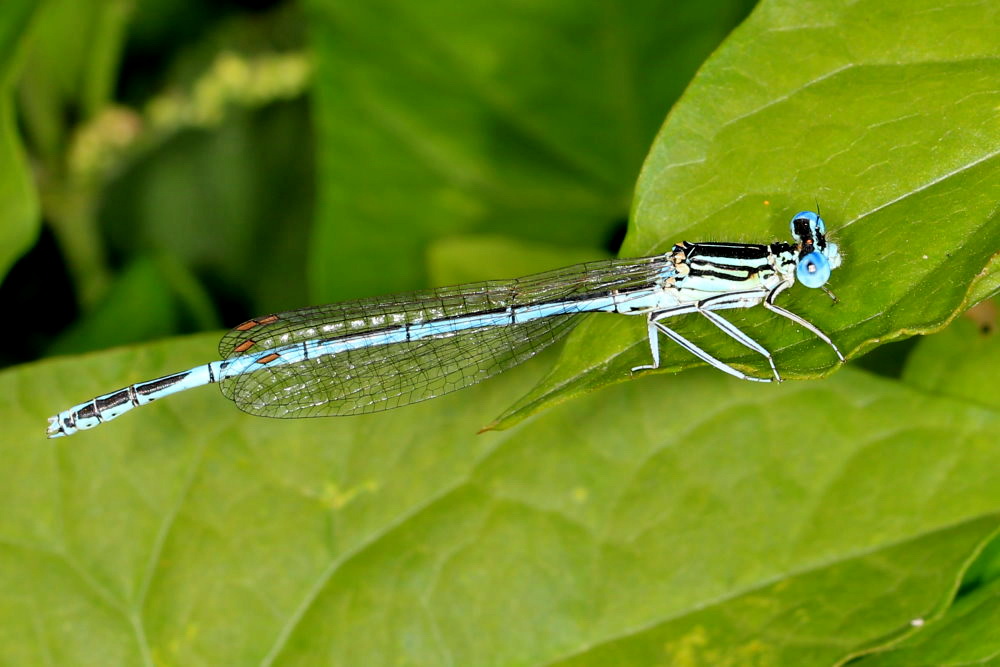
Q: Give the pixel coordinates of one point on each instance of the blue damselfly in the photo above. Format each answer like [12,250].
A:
[380,353]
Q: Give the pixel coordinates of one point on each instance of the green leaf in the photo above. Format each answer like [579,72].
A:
[71,68]
[966,636]
[528,119]
[871,111]
[800,619]
[15,17]
[983,572]
[150,299]
[461,259]
[961,361]
[257,206]
[989,285]
[19,220]
[698,519]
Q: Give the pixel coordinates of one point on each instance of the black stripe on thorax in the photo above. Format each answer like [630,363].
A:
[750,267]
[728,277]
[738,251]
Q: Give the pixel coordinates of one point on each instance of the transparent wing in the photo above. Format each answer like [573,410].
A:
[362,315]
[387,376]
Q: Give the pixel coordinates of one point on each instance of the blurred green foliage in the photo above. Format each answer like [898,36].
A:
[175,166]
[172,149]
[188,133]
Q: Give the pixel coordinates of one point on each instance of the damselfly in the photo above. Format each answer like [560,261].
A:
[380,353]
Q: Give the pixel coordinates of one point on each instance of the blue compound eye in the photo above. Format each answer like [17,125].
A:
[806,224]
[813,270]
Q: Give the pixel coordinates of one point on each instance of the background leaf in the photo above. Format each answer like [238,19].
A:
[460,259]
[19,215]
[962,360]
[898,145]
[532,118]
[256,211]
[147,285]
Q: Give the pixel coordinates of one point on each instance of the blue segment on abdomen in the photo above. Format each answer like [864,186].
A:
[297,352]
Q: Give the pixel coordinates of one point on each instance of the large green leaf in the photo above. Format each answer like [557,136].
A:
[872,111]
[705,520]
[528,119]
